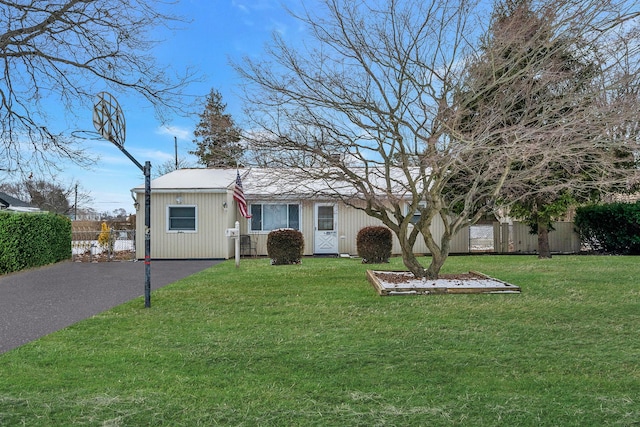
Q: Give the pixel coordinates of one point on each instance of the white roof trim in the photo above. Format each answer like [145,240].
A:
[139,190]
[21,209]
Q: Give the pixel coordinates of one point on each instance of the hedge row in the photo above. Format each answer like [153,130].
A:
[612,228]
[31,240]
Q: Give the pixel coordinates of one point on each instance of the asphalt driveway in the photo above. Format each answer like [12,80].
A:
[37,302]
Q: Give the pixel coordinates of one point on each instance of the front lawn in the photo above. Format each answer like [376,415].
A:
[313,344]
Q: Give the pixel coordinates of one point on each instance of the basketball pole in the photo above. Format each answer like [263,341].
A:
[108,120]
[146,169]
[147,234]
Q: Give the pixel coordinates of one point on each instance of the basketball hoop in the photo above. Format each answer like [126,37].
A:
[87,135]
[108,119]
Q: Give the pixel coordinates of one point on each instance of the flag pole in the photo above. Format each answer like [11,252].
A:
[241,201]
[237,244]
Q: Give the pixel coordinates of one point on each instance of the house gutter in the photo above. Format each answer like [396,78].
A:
[184,190]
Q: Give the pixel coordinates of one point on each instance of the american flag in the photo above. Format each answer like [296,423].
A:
[238,196]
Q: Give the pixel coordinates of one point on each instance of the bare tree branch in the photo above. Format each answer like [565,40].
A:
[68,51]
[379,98]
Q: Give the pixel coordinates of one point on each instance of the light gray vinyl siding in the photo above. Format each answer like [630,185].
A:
[350,221]
[208,241]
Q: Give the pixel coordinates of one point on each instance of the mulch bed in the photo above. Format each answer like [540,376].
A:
[389,283]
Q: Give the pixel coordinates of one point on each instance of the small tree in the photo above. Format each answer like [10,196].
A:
[48,195]
[106,239]
[170,166]
[216,136]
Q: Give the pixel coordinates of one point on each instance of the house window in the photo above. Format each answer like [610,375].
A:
[268,216]
[181,218]
[416,215]
[325,218]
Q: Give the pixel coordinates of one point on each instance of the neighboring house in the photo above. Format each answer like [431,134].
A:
[192,208]
[9,203]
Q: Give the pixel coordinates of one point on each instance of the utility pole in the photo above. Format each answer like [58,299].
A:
[175,141]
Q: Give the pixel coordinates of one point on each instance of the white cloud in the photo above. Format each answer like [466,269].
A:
[181,133]
[117,159]
[240,6]
[155,156]
[254,5]
[278,27]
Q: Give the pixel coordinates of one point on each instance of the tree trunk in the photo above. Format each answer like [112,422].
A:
[438,256]
[411,262]
[437,261]
[544,251]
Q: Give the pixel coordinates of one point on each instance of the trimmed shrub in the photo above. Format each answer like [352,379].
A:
[285,246]
[374,244]
[31,240]
[106,238]
[612,228]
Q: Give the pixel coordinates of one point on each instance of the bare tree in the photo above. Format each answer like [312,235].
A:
[49,195]
[66,52]
[385,86]
[170,166]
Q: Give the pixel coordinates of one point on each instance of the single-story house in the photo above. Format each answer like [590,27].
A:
[191,209]
[9,203]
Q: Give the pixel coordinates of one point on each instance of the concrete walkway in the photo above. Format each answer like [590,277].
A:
[39,301]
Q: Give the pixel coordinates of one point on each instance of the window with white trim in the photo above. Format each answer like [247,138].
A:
[271,216]
[181,218]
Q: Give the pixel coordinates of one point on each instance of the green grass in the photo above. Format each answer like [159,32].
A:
[313,344]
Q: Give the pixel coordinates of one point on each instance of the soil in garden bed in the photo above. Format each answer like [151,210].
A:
[405,283]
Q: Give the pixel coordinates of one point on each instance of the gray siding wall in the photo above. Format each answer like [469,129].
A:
[350,221]
[212,220]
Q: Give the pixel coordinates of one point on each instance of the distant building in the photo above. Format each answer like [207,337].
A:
[9,203]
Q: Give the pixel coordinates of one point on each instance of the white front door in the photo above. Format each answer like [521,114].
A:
[326,229]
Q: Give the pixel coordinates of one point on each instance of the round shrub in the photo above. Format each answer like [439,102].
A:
[374,244]
[285,246]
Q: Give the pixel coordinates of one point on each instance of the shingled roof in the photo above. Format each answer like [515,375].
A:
[7,201]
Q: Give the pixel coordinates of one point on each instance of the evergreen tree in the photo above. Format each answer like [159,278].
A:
[535,83]
[216,136]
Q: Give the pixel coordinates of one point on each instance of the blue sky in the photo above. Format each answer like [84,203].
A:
[219,30]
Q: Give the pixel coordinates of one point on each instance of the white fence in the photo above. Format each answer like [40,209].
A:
[120,245]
